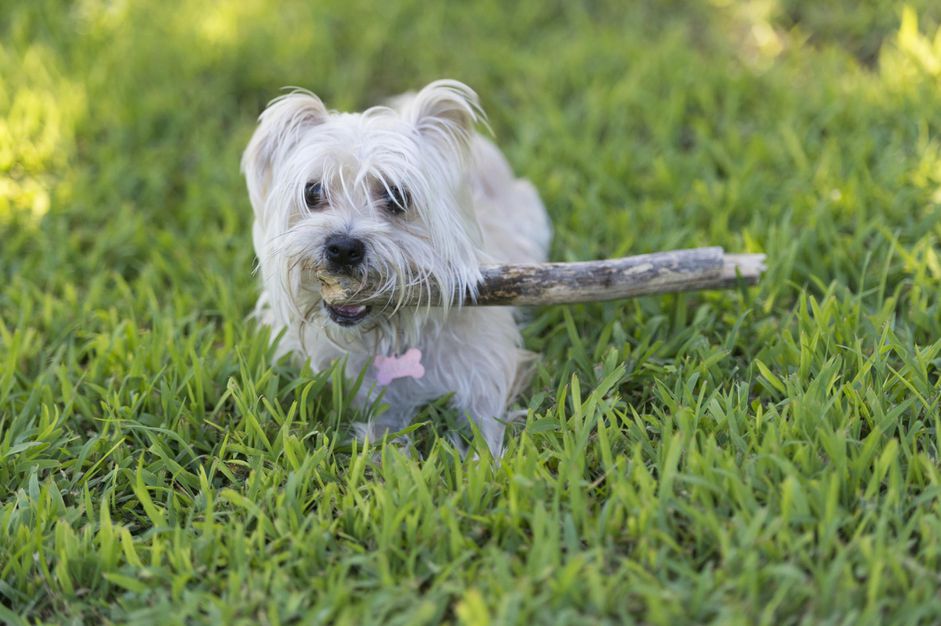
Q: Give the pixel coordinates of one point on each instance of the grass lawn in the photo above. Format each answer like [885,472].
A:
[767,456]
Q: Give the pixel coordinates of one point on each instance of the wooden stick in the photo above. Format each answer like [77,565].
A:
[567,283]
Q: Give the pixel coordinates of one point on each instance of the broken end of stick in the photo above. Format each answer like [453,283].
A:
[331,290]
[745,267]
[341,290]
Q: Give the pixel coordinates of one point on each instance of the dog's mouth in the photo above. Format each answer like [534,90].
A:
[347,314]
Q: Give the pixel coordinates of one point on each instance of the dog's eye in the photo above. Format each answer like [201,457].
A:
[313,195]
[397,200]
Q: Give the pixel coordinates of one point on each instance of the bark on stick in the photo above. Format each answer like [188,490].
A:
[567,283]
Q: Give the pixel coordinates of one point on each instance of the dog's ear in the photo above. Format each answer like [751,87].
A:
[279,127]
[445,113]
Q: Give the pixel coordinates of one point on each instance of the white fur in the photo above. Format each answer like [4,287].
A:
[466,208]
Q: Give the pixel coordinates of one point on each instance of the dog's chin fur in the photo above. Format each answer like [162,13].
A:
[430,200]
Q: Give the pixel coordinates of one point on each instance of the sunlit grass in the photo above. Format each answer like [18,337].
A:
[767,456]
[39,108]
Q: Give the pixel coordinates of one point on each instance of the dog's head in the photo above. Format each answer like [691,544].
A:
[379,192]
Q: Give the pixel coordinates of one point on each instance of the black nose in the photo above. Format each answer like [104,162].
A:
[344,251]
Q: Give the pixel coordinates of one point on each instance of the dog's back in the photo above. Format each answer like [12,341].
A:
[515,226]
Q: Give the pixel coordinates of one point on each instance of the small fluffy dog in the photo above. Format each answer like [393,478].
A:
[412,194]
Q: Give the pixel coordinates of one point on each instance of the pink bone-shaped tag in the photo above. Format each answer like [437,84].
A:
[388,368]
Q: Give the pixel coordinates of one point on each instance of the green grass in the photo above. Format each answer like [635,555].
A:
[769,456]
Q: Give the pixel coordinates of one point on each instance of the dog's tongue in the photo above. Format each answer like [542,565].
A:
[350,309]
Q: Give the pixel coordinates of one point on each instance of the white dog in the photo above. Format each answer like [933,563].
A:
[410,193]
